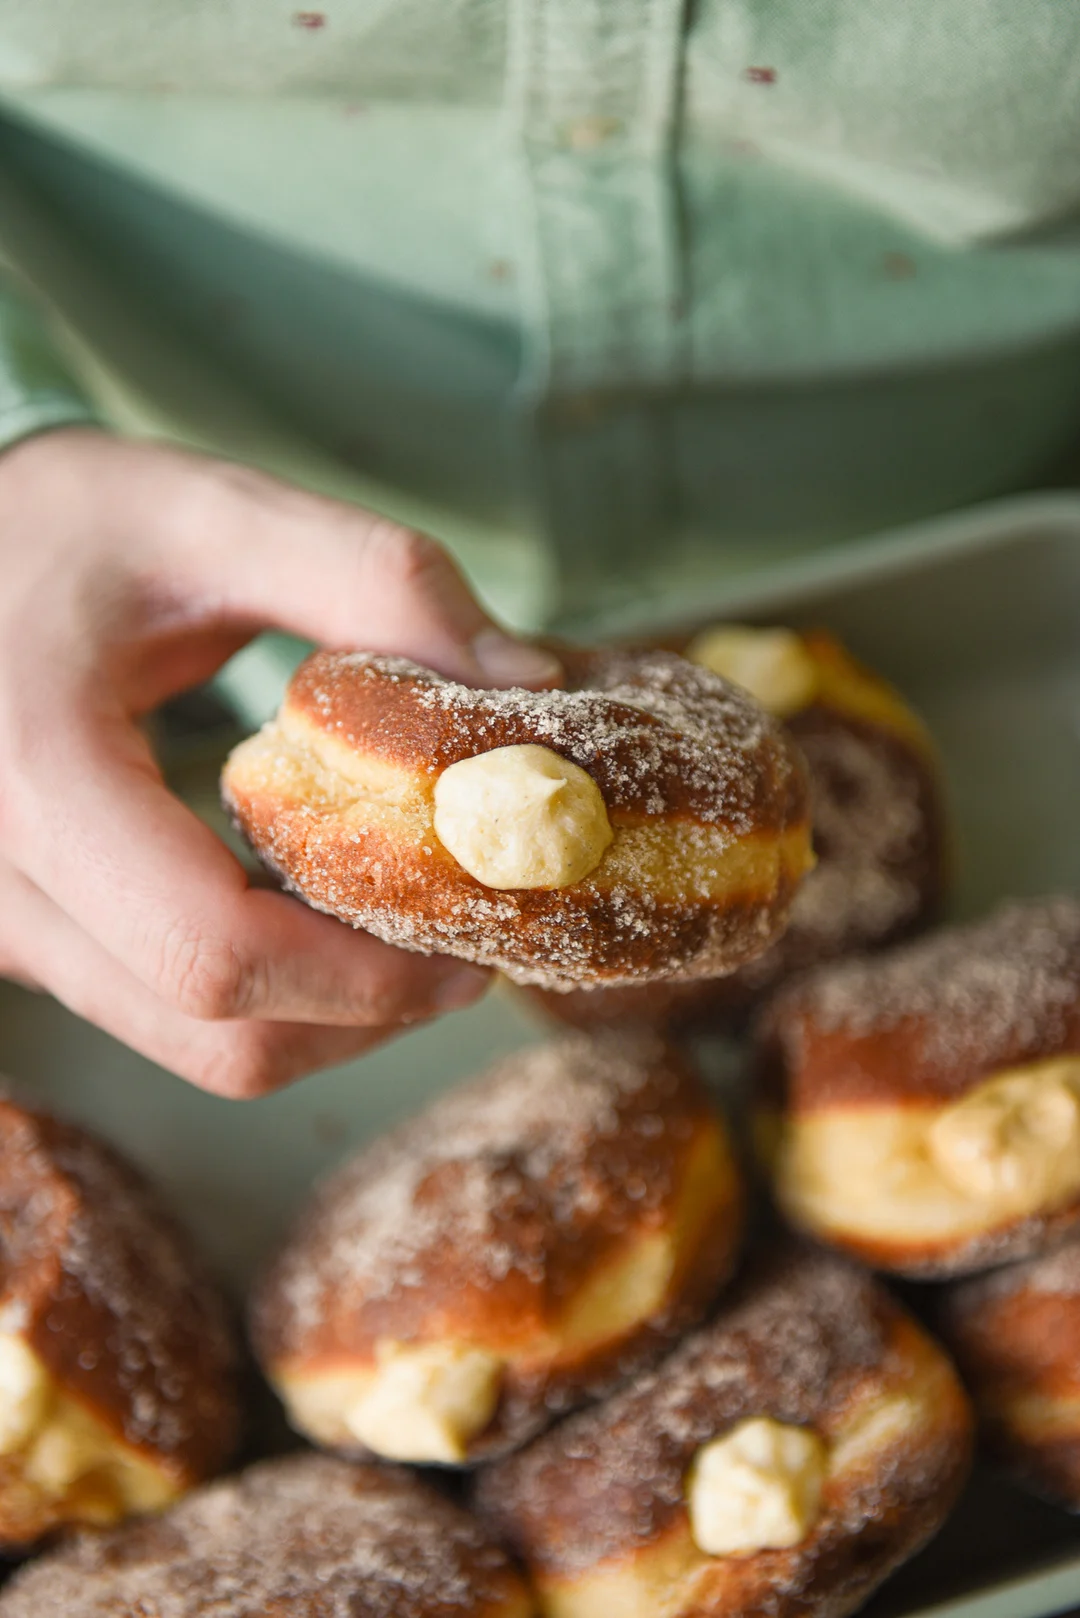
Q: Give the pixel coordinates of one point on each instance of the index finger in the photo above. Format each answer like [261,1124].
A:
[95,828]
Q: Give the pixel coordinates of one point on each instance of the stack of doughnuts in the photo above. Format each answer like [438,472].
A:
[876,814]
[921,1110]
[538,1283]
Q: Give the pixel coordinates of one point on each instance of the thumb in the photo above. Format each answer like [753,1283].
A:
[267,553]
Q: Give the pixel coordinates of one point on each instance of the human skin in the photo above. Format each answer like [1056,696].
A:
[130,572]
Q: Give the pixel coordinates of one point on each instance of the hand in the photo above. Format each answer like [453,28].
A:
[129,572]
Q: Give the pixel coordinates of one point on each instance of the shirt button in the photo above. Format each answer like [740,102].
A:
[584,134]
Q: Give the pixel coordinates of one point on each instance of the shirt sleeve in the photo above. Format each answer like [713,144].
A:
[37,389]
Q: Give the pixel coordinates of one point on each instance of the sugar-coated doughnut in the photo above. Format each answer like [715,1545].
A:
[525,1242]
[1016,1337]
[922,1108]
[306,1536]
[876,813]
[117,1359]
[784,1459]
[647,821]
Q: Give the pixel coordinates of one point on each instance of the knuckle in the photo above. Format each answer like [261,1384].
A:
[204,976]
[403,557]
[250,1060]
[242,1065]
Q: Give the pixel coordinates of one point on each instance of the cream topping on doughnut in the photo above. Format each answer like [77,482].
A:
[1015,1137]
[705,795]
[893,1174]
[521,817]
[426,1403]
[756,1488]
[803,1335]
[772,664]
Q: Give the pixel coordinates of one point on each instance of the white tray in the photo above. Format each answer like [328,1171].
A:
[978,621]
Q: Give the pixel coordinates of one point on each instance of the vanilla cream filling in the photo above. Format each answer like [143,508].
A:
[912,1173]
[757,1488]
[426,1403]
[58,1448]
[444,1394]
[362,797]
[676,1574]
[521,817]
[421,1402]
[773,665]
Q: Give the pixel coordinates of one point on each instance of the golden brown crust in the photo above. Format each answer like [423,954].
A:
[882,1046]
[1005,1242]
[705,795]
[301,1537]
[110,1297]
[928,1021]
[1016,1338]
[804,1339]
[483,1219]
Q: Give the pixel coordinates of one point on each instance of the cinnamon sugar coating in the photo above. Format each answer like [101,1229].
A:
[482,1220]
[931,1019]
[110,1297]
[705,795]
[805,1339]
[866,1056]
[878,837]
[1016,1337]
[301,1537]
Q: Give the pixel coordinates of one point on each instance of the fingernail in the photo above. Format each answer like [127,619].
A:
[461,988]
[505,661]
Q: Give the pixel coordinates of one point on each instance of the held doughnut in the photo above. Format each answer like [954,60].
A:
[647,821]
[1016,1337]
[524,1243]
[117,1361]
[923,1108]
[305,1536]
[784,1459]
[876,813]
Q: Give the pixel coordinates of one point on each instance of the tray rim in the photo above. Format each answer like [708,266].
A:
[874,559]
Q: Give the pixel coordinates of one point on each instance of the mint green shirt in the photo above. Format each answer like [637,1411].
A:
[606,292]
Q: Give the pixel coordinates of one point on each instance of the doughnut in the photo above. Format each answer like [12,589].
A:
[1015,1334]
[521,1245]
[784,1460]
[921,1109]
[117,1358]
[876,813]
[650,820]
[306,1535]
